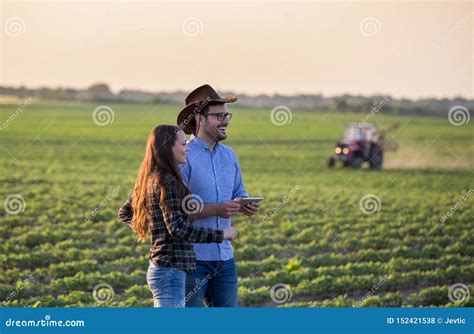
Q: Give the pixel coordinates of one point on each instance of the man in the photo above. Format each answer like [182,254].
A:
[213,175]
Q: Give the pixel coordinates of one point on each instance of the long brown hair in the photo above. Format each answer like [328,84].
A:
[158,160]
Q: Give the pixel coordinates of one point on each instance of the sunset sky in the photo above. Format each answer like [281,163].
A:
[405,49]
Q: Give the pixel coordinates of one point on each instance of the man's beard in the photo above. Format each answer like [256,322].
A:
[217,136]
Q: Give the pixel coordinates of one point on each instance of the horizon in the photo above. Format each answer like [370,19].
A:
[171,91]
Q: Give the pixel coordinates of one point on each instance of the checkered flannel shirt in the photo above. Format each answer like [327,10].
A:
[172,234]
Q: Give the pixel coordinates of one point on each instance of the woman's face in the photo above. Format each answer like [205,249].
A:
[180,148]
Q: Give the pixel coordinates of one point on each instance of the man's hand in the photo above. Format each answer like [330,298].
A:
[251,208]
[226,209]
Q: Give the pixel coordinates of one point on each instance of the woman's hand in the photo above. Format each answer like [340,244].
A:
[230,233]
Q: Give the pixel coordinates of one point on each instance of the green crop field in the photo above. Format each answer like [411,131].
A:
[316,242]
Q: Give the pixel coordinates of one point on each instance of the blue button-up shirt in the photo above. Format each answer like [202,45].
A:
[214,176]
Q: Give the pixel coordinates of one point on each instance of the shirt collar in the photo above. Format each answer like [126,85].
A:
[201,144]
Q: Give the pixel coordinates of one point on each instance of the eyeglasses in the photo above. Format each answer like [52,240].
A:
[221,115]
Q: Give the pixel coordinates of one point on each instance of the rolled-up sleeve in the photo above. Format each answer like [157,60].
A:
[239,189]
[125,214]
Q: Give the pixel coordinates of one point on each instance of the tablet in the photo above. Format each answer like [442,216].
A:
[243,201]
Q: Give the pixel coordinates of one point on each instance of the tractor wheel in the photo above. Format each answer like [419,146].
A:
[331,162]
[376,157]
[357,162]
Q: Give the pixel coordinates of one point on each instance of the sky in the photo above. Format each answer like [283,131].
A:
[397,48]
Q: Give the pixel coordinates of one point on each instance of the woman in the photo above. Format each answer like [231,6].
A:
[155,209]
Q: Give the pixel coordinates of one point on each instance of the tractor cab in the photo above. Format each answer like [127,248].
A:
[360,143]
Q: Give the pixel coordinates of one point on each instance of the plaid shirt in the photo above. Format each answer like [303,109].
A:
[172,234]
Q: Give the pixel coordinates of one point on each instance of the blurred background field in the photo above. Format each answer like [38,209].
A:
[311,235]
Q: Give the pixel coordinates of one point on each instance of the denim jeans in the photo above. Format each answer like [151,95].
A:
[167,284]
[213,284]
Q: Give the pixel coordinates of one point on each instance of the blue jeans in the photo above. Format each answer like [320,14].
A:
[167,284]
[213,284]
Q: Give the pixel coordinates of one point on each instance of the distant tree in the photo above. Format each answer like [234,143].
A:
[157,100]
[99,92]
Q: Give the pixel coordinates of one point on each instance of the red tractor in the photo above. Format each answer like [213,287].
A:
[362,142]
